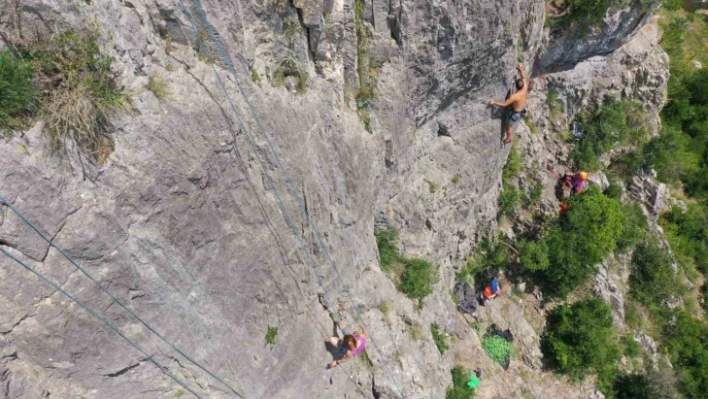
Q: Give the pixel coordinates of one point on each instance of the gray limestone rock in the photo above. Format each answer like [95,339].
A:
[193,225]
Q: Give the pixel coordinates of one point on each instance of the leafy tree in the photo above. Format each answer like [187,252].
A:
[579,240]
[658,384]
[687,231]
[534,255]
[580,339]
[653,280]
[686,339]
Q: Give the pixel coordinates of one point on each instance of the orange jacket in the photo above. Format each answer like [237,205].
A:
[488,293]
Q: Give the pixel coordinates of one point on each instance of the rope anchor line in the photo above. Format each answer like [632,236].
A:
[318,239]
[103,319]
[71,260]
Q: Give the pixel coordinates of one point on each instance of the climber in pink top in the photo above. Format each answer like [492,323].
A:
[351,345]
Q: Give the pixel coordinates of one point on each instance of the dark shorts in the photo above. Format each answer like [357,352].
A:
[514,116]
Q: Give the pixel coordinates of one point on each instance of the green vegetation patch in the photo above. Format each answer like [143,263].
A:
[533,256]
[632,348]
[75,93]
[418,278]
[510,198]
[271,335]
[19,98]
[459,389]
[439,338]
[498,349]
[653,281]
[576,242]
[386,241]
[687,231]
[658,384]
[602,131]
[82,95]
[581,339]
[158,86]
[489,254]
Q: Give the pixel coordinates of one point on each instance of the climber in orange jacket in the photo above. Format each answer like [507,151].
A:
[490,292]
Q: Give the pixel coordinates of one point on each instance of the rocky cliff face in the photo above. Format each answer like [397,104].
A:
[184,222]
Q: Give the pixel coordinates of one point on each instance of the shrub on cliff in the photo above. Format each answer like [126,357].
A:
[576,242]
[581,339]
[418,278]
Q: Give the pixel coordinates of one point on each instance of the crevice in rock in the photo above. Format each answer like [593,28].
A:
[388,159]
[394,21]
[374,392]
[123,370]
[9,357]
[15,324]
[442,130]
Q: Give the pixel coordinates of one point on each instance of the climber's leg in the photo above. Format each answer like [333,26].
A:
[507,140]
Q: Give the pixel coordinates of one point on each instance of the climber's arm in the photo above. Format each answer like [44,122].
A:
[520,68]
[506,103]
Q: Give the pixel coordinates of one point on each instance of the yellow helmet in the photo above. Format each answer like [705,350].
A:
[583,176]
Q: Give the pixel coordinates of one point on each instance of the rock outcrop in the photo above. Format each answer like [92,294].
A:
[192,222]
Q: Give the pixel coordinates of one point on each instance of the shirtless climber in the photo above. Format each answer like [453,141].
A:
[516,103]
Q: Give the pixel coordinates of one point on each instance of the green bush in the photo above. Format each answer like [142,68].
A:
[631,347]
[602,131]
[459,389]
[418,278]
[18,96]
[648,385]
[672,4]
[687,232]
[534,255]
[653,281]
[581,339]
[614,191]
[388,250]
[578,240]
[679,152]
[590,11]
[634,229]
[508,201]
[513,165]
[686,339]
[438,338]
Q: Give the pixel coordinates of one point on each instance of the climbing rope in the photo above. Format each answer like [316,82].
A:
[113,298]
[227,61]
[100,317]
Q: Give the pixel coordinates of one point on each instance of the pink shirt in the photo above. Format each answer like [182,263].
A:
[361,344]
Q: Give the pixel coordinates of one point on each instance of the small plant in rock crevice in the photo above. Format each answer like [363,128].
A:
[158,86]
[438,338]
[271,335]
[386,241]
